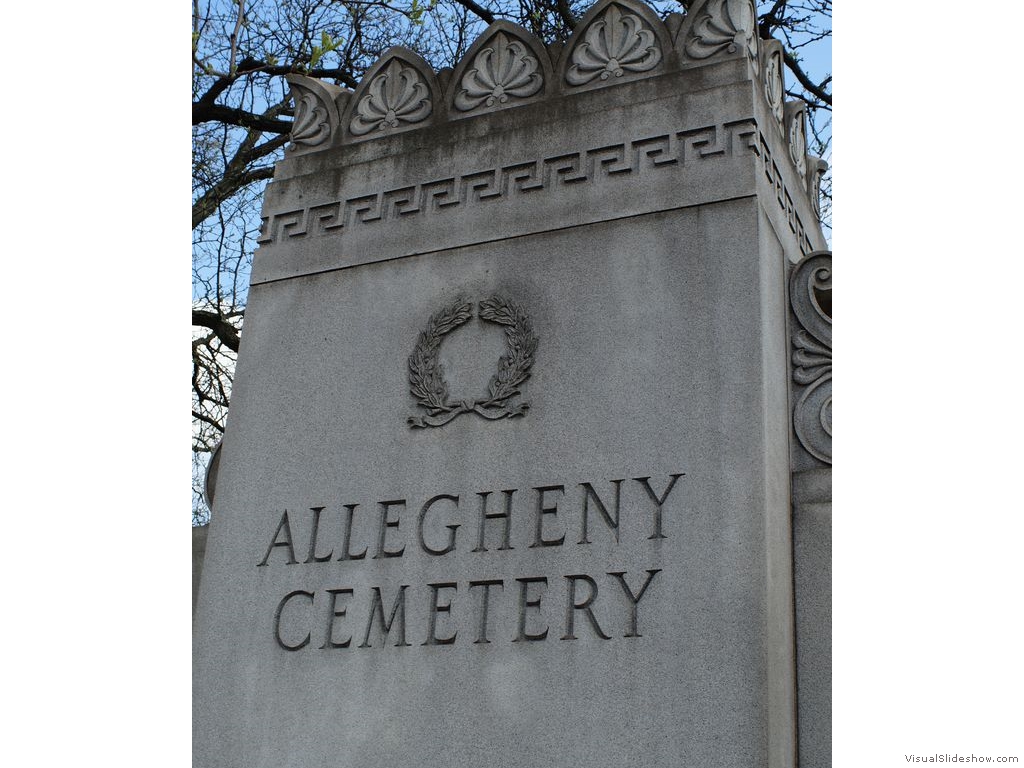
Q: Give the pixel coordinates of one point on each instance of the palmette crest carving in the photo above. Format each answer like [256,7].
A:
[798,142]
[618,41]
[426,380]
[724,25]
[818,169]
[398,94]
[311,125]
[316,111]
[810,283]
[505,68]
[774,85]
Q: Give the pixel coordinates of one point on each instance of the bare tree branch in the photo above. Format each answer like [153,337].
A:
[239,117]
[805,81]
[479,10]
[771,20]
[238,173]
[207,420]
[206,109]
[207,204]
[217,323]
[566,13]
[234,35]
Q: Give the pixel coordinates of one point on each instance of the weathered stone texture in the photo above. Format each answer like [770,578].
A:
[636,230]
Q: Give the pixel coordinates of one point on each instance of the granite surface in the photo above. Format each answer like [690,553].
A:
[506,479]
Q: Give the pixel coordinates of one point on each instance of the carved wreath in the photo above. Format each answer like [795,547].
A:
[426,381]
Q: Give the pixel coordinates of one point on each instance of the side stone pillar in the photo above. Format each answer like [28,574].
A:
[199,534]
[811,301]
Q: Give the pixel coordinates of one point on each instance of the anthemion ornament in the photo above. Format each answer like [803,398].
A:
[426,380]
[774,85]
[798,142]
[616,43]
[503,69]
[311,126]
[398,95]
[724,25]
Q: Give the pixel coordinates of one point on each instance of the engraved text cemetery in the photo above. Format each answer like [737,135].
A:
[335,536]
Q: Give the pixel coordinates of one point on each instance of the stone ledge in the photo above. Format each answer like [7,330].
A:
[507,69]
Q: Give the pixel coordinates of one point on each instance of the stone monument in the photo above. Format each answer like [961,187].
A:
[507,478]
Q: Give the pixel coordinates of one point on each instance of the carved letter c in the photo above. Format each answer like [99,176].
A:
[277,620]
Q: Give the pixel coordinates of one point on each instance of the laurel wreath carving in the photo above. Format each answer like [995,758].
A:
[426,380]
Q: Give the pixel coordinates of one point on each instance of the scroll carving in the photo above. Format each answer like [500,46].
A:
[723,25]
[426,380]
[618,41]
[397,94]
[505,68]
[811,298]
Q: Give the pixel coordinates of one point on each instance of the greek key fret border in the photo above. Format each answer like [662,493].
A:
[636,157]
[639,156]
[773,174]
